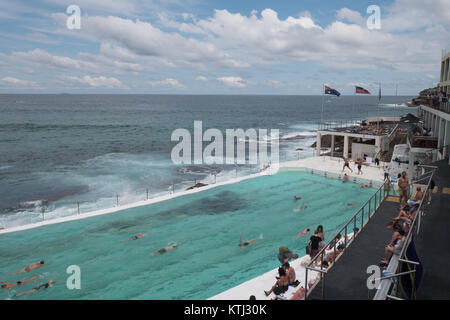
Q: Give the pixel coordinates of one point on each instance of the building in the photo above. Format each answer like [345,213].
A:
[437,116]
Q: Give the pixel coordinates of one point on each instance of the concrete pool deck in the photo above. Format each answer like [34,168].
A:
[318,165]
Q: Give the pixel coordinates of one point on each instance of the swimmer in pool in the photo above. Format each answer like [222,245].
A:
[164,250]
[345,178]
[364,186]
[42,286]
[298,198]
[350,204]
[246,243]
[32,266]
[138,236]
[301,234]
[301,208]
[9,286]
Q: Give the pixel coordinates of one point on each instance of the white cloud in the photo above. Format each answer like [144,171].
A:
[201,78]
[350,15]
[18,82]
[169,82]
[98,82]
[232,81]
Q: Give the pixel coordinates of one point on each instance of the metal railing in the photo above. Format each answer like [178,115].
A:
[359,220]
[397,262]
[117,200]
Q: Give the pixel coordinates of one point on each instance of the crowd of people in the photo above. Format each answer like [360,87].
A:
[370,129]
[35,265]
[401,223]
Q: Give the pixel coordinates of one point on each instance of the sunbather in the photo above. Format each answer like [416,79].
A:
[281,285]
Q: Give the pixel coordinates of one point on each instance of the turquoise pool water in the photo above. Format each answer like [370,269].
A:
[207,226]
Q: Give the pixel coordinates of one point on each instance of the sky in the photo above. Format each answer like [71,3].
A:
[221,47]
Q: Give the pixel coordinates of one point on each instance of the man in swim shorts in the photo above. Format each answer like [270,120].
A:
[403,187]
[164,250]
[345,178]
[346,164]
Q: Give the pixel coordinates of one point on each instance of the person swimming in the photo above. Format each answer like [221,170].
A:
[164,250]
[138,236]
[301,234]
[6,285]
[248,242]
[32,266]
[42,286]
[301,208]
[351,204]
[298,198]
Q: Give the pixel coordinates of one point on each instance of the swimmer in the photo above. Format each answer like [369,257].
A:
[350,204]
[364,186]
[44,285]
[301,234]
[9,286]
[246,243]
[345,178]
[32,266]
[164,250]
[301,208]
[138,236]
[298,198]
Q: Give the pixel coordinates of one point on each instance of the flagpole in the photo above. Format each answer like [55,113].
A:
[354,97]
[378,111]
[323,90]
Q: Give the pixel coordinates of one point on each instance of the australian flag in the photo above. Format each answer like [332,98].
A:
[361,90]
[329,90]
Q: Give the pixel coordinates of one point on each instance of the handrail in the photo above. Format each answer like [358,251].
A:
[382,196]
[414,229]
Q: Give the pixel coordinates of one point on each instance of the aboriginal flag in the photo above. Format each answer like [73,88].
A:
[329,90]
[361,90]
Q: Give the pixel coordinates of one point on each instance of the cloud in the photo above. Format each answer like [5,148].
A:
[169,82]
[18,82]
[350,16]
[201,78]
[98,82]
[236,82]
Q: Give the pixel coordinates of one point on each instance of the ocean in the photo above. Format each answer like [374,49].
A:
[60,150]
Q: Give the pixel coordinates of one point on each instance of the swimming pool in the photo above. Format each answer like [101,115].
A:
[206,225]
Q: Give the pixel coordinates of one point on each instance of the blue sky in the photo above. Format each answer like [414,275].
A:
[221,47]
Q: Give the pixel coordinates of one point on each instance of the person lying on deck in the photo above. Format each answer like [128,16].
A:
[331,256]
[9,286]
[281,285]
[299,294]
